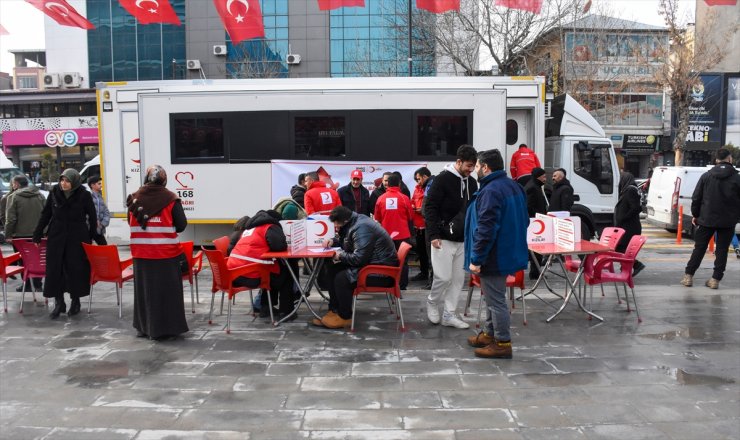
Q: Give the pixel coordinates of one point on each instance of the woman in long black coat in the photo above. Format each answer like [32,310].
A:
[70,214]
[627,214]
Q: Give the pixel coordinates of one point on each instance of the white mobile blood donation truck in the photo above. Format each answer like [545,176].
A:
[232,147]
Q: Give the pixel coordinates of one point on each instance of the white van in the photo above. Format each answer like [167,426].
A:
[91,168]
[671,187]
[7,171]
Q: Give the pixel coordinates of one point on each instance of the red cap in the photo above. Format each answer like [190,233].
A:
[356,174]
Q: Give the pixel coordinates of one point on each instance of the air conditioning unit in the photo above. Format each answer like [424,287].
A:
[193,64]
[293,58]
[52,81]
[219,49]
[71,79]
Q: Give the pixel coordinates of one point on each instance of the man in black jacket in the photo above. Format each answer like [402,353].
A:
[536,204]
[444,211]
[562,192]
[298,192]
[379,191]
[354,195]
[363,242]
[715,206]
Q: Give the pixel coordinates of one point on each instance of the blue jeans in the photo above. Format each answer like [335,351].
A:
[498,320]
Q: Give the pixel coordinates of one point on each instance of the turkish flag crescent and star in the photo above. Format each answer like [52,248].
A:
[438,6]
[326,5]
[151,11]
[533,6]
[61,12]
[242,18]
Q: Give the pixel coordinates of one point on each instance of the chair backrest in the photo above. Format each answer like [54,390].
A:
[2,263]
[34,257]
[217,262]
[610,237]
[222,244]
[187,249]
[105,264]
[403,252]
[634,246]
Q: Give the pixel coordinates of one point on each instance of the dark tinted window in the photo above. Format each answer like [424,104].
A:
[319,136]
[197,139]
[512,132]
[442,134]
[593,163]
[381,135]
[258,136]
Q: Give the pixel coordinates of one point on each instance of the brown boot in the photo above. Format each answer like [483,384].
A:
[318,323]
[335,321]
[712,283]
[480,340]
[496,350]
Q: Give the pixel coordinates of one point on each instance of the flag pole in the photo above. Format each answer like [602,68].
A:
[410,47]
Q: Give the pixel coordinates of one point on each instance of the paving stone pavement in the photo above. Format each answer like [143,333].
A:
[674,376]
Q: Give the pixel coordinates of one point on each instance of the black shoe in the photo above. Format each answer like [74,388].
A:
[59,308]
[428,285]
[281,316]
[419,277]
[265,312]
[533,275]
[141,334]
[74,308]
[637,268]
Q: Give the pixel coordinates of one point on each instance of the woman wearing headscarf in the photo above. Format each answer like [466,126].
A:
[156,216]
[70,214]
[627,214]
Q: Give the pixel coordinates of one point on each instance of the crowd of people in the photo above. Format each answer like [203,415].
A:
[471,217]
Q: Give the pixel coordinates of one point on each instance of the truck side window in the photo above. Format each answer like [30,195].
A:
[512,132]
[197,139]
[593,163]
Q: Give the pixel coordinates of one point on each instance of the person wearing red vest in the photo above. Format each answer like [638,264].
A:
[156,216]
[422,176]
[522,163]
[319,199]
[393,212]
[263,234]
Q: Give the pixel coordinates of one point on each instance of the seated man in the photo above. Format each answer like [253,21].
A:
[263,234]
[363,242]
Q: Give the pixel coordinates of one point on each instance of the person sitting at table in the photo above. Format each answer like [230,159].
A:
[363,242]
[263,234]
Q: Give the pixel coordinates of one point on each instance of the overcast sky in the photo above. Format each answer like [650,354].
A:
[26,23]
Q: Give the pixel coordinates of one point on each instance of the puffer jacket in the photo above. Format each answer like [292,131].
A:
[364,242]
[23,211]
[716,199]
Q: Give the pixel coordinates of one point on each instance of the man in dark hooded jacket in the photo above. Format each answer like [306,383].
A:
[562,192]
[715,206]
[298,192]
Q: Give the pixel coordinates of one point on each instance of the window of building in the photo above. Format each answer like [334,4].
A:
[319,136]
[593,162]
[266,57]
[512,132]
[197,139]
[28,82]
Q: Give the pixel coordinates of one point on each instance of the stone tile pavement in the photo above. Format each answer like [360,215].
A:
[675,376]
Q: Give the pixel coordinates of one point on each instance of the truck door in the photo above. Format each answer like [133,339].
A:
[594,177]
[517,132]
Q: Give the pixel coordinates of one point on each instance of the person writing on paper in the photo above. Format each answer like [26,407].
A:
[262,234]
[495,246]
[363,242]
[393,212]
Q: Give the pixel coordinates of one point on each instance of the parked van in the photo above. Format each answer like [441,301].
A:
[91,168]
[671,187]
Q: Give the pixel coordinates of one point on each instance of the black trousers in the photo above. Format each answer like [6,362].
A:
[702,235]
[281,289]
[422,250]
[340,287]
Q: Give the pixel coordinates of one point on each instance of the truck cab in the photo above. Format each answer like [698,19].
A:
[575,141]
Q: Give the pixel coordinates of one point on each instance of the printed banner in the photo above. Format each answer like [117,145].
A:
[336,174]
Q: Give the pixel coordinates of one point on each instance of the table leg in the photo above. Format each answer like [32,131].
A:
[310,265]
[541,279]
[303,290]
[570,287]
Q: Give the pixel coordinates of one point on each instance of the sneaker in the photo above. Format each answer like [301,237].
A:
[419,277]
[687,280]
[480,340]
[433,313]
[454,321]
[496,350]
[712,283]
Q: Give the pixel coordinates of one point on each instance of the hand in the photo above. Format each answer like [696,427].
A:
[327,243]
[474,269]
[437,244]
[693,221]
[335,258]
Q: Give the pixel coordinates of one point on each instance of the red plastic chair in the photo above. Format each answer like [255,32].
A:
[389,271]
[599,273]
[222,244]
[223,277]
[7,271]
[106,265]
[34,263]
[512,281]
[609,237]
[195,265]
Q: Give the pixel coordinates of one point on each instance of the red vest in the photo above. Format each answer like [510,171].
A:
[158,240]
[393,211]
[249,249]
[417,200]
[320,199]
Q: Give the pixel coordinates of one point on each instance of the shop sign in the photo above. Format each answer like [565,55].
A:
[52,138]
[639,142]
[704,113]
[61,138]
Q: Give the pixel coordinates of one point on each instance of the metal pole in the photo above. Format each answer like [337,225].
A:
[410,47]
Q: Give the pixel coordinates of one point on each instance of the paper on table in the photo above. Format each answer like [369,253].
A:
[321,250]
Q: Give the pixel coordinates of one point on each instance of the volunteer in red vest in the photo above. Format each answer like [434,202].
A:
[422,177]
[156,217]
[393,212]
[523,161]
[264,234]
[319,199]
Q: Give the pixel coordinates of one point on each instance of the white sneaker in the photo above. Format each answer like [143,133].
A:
[450,320]
[433,313]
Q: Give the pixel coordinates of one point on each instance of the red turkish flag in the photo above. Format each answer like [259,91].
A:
[721,2]
[151,11]
[3,31]
[438,6]
[325,5]
[242,18]
[61,12]
[533,6]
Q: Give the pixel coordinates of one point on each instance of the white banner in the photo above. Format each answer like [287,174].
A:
[336,174]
